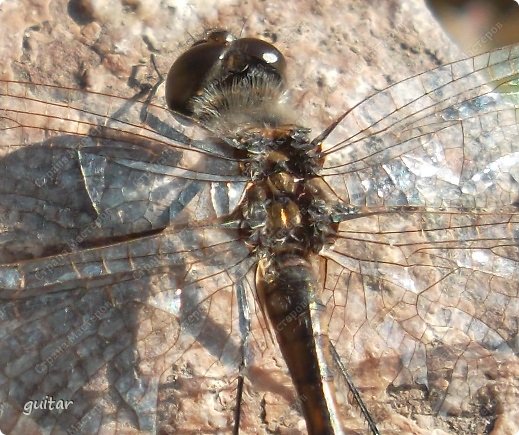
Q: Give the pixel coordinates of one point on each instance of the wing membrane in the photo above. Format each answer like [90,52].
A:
[434,296]
[125,178]
[443,138]
[116,320]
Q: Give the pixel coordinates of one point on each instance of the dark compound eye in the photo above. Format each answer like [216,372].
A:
[217,60]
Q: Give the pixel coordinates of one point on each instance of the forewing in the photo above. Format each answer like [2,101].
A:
[445,138]
[79,168]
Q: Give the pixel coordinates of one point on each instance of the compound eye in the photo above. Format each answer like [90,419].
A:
[246,52]
[218,59]
[187,75]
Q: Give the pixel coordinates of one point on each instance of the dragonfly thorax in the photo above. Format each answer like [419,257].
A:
[283,210]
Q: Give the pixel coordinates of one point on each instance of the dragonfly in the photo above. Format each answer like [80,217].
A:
[127,267]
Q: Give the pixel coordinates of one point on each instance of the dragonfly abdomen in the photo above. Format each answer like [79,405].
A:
[288,287]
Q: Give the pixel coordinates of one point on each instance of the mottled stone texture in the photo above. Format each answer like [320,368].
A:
[337,54]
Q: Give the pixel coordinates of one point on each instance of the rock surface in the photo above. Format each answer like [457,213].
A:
[336,57]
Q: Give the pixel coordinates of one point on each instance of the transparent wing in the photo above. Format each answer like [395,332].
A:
[106,328]
[74,176]
[444,138]
[430,302]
